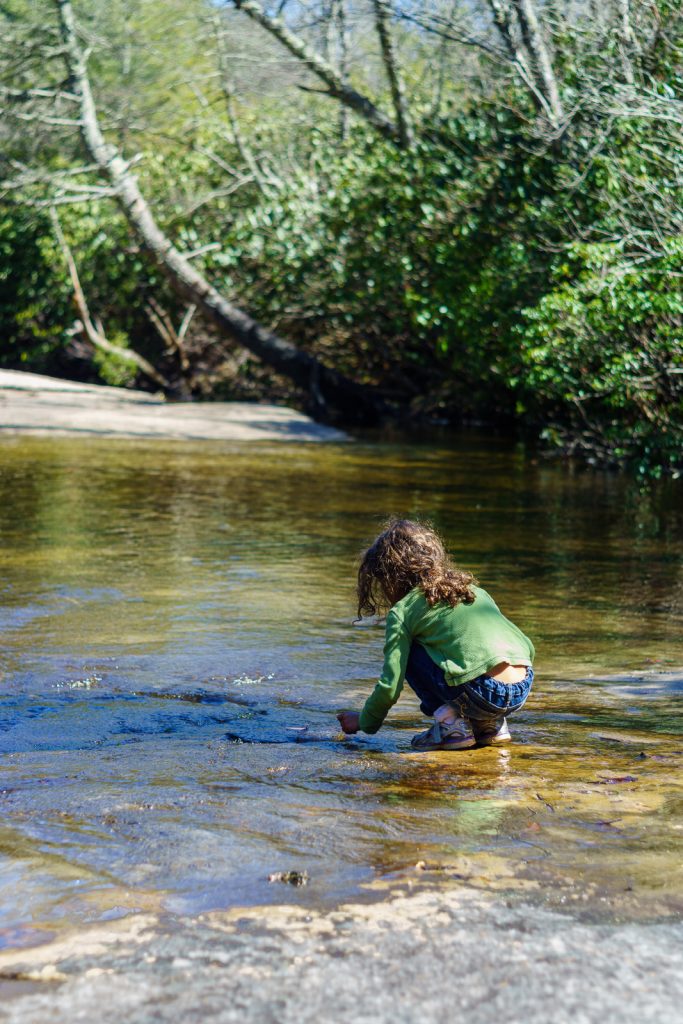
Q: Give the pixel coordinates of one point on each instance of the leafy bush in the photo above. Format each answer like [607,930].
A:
[33,307]
[411,269]
[603,353]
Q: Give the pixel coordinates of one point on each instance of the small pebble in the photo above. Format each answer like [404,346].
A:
[296,878]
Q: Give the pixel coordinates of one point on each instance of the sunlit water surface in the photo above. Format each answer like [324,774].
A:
[176,629]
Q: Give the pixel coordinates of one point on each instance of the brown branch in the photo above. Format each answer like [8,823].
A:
[382,16]
[95,334]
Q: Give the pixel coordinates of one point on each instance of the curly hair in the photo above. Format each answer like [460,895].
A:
[409,554]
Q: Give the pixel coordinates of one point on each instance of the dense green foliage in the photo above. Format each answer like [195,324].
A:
[447,275]
[603,350]
[28,310]
[498,270]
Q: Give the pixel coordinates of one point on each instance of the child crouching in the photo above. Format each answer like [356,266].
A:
[445,636]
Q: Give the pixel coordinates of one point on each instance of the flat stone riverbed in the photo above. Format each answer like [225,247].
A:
[407,958]
[176,639]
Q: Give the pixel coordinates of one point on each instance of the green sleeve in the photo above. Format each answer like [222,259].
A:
[388,689]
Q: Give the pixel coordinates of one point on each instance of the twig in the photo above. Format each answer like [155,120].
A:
[96,336]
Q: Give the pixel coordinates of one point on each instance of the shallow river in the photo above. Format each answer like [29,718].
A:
[177,637]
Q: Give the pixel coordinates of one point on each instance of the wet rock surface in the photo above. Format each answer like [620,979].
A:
[176,642]
[408,958]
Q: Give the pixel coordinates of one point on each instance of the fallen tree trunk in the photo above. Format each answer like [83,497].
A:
[327,387]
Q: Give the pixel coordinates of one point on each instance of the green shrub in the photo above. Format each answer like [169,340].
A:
[603,352]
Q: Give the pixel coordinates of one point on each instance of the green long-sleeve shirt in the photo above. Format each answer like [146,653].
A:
[464,642]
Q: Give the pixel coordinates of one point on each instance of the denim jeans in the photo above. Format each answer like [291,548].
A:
[484,699]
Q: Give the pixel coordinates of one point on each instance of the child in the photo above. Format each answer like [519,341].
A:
[467,663]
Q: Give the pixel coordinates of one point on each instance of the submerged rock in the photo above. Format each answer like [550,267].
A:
[296,878]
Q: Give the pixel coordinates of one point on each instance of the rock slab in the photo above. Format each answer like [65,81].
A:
[38,405]
[458,955]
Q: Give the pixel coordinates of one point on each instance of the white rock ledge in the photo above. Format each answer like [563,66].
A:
[33,404]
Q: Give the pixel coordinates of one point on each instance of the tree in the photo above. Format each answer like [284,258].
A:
[410,193]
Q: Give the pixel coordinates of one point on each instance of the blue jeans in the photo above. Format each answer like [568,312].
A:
[483,699]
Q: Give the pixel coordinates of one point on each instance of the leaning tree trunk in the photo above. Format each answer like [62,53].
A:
[326,386]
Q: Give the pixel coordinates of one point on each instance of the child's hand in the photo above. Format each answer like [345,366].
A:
[349,721]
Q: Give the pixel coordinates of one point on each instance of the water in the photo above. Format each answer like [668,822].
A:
[176,629]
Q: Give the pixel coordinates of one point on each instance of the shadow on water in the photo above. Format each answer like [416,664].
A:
[176,641]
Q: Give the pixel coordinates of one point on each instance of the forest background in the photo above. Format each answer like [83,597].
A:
[451,210]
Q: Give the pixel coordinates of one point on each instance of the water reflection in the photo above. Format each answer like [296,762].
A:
[176,638]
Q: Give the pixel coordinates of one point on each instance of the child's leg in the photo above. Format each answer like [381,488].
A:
[487,704]
[427,680]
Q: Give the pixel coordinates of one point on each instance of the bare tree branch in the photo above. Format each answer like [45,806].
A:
[382,18]
[25,95]
[336,86]
[185,323]
[62,189]
[535,43]
[336,47]
[502,18]
[343,43]
[95,334]
[172,339]
[228,91]
[627,40]
[40,118]
[444,29]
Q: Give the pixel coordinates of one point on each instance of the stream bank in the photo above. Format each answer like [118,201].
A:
[46,406]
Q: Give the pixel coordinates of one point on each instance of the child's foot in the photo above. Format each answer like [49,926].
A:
[495,733]
[448,732]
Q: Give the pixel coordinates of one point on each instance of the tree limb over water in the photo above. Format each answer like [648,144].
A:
[326,386]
